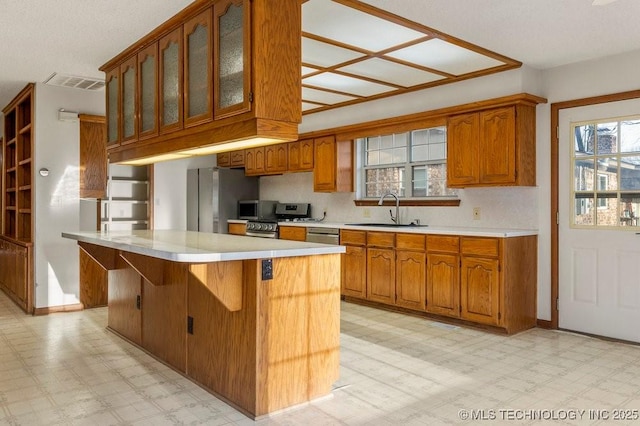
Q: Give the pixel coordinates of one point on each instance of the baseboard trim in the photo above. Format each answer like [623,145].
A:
[55,309]
[544,324]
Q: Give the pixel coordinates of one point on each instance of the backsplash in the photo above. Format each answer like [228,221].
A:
[500,207]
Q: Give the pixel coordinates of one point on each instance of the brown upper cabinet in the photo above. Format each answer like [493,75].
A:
[171,77]
[301,156]
[93,157]
[217,71]
[148,92]
[275,158]
[231,56]
[128,104]
[333,168]
[492,147]
[198,103]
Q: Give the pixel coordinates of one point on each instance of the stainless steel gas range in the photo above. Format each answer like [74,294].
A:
[268,228]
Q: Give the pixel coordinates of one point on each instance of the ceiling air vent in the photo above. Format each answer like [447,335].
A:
[84,83]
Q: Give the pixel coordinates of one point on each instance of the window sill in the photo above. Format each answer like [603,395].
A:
[447,202]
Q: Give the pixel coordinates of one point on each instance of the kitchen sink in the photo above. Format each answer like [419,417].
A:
[389,225]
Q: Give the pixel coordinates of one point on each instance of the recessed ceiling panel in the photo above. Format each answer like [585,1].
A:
[353,27]
[346,84]
[325,55]
[444,56]
[322,97]
[306,106]
[380,69]
[308,70]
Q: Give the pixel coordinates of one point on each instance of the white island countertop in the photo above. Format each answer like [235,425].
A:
[200,247]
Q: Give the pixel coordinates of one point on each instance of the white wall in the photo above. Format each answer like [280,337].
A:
[170,191]
[57,204]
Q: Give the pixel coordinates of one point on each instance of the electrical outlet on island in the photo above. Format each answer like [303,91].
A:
[366,213]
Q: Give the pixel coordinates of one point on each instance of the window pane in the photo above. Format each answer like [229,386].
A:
[584,139]
[419,153]
[630,136]
[607,174]
[583,175]
[386,142]
[437,151]
[373,158]
[584,213]
[630,173]
[399,155]
[431,180]
[419,181]
[607,138]
[373,143]
[607,211]
[381,181]
[438,134]
[630,209]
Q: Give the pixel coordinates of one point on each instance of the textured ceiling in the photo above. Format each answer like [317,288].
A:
[38,38]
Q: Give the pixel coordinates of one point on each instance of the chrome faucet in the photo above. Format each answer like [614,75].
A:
[396,219]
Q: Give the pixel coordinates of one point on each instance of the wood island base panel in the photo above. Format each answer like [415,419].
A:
[263,334]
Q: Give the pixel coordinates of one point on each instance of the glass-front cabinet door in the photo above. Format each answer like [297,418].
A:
[113,107]
[232,61]
[148,92]
[128,75]
[170,54]
[198,50]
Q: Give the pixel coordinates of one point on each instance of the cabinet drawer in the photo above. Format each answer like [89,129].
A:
[294,233]
[237,228]
[410,242]
[224,159]
[354,238]
[480,246]
[442,243]
[380,239]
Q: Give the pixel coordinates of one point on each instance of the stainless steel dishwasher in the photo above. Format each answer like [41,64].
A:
[323,235]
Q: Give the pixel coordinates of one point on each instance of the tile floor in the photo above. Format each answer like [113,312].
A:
[66,369]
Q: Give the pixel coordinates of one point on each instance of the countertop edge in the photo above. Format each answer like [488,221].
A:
[435,230]
[207,256]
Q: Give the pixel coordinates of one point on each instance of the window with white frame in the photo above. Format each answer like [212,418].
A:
[412,164]
[606,179]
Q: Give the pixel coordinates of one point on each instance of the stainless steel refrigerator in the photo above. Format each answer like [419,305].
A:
[213,195]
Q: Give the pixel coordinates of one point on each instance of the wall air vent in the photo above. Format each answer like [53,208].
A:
[84,83]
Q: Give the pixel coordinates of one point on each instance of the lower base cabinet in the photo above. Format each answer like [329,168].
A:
[16,272]
[245,339]
[354,264]
[125,302]
[480,291]
[482,280]
[381,275]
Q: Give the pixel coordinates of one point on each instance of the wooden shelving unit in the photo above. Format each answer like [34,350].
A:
[16,259]
[127,204]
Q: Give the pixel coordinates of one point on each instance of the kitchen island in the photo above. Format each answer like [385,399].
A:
[255,321]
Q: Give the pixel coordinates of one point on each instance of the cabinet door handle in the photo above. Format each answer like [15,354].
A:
[138,302]
[190,325]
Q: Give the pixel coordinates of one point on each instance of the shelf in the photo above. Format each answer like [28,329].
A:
[127,180]
[128,220]
[25,129]
[25,188]
[10,190]
[10,208]
[23,162]
[11,169]
[24,211]
[126,200]
[11,142]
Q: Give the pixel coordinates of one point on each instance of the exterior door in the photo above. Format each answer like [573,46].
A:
[599,266]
